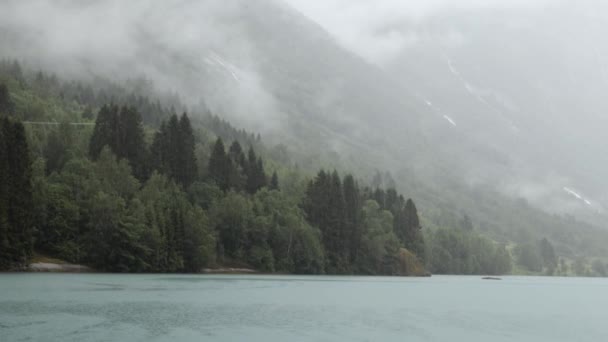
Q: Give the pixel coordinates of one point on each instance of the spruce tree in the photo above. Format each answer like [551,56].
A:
[158,150]
[261,179]
[186,160]
[16,218]
[274,181]
[251,171]
[352,200]
[132,145]
[414,241]
[238,177]
[220,166]
[6,104]
[337,241]
[105,131]
[5,256]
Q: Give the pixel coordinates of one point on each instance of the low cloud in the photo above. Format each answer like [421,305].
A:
[374,29]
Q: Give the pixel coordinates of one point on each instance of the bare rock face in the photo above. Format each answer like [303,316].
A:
[52,267]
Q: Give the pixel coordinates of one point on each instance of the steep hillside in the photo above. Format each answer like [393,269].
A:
[268,68]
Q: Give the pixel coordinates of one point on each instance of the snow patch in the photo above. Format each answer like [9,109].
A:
[577,195]
[215,60]
[449,120]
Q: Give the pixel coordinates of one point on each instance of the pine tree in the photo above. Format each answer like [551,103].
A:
[251,171]
[413,237]
[187,161]
[274,181]
[238,177]
[5,256]
[6,104]
[158,150]
[466,223]
[16,219]
[220,166]
[256,176]
[352,200]
[105,131]
[172,150]
[132,145]
[335,231]
[261,179]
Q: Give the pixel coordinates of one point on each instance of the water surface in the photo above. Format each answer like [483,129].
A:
[102,307]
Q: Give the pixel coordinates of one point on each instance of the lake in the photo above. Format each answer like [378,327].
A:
[107,307]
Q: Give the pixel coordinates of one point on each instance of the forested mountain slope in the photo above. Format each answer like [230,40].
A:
[265,67]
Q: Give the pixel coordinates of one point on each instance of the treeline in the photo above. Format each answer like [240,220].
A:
[16,200]
[127,205]
[147,190]
[363,230]
[458,251]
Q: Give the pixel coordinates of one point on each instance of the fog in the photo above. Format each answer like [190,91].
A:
[505,93]
[118,40]
[371,28]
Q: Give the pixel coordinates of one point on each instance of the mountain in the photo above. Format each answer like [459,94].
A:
[462,128]
[526,86]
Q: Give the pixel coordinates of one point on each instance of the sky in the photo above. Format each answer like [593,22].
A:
[371,28]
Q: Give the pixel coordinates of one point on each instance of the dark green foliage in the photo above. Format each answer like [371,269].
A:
[274,181]
[360,236]
[536,257]
[172,151]
[6,104]
[352,216]
[105,132]
[237,176]
[256,177]
[16,198]
[232,217]
[220,166]
[121,130]
[407,226]
[178,220]
[58,147]
[113,241]
[455,251]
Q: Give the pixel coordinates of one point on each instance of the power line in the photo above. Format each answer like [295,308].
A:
[58,123]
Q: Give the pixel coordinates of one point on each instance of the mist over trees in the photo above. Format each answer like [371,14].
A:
[122,183]
[126,197]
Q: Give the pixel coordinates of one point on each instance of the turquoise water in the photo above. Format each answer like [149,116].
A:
[102,307]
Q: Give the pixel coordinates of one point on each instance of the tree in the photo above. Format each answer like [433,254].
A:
[466,223]
[105,131]
[379,245]
[239,166]
[548,256]
[274,181]
[352,220]
[121,129]
[132,146]
[187,169]
[6,104]
[114,242]
[220,166]
[529,257]
[256,177]
[173,150]
[16,198]
[56,152]
[231,217]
